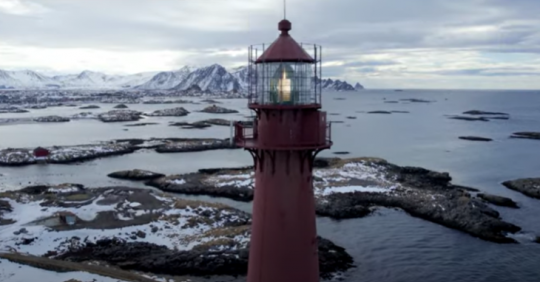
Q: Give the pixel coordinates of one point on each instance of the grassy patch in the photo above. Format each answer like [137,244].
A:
[183,204]
[229,232]
[9,195]
[78,197]
[215,243]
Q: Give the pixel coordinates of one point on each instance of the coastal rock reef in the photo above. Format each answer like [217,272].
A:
[136,229]
[351,188]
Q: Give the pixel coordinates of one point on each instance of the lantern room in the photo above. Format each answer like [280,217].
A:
[284,73]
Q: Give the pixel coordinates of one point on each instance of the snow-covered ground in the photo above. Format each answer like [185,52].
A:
[14,272]
[181,224]
[236,180]
[60,154]
[355,176]
[338,180]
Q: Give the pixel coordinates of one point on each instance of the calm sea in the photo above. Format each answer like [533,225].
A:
[389,245]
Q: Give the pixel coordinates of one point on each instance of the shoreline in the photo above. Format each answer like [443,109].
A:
[354,188]
[160,233]
[88,152]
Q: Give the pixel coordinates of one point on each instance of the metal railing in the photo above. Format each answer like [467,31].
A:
[307,77]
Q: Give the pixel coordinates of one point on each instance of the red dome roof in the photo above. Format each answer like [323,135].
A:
[285,49]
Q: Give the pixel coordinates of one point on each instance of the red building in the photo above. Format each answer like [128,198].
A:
[40,152]
[288,132]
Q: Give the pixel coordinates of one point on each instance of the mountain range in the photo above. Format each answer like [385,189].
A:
[213,78]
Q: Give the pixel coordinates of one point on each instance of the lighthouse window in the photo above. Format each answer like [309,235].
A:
[285,83]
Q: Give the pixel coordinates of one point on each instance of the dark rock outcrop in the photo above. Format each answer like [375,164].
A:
[135,174]
[469,118]
[120,116]
[380,112]
[187,125]
[527,186]
[148,257]
[210,101]
[218,110]
[414,100]
[420,192]
[484,113]
[51,119]
[195,146]
[526,135]
[89,107]
[457,211]
[216,121]
[475,138]
[498,200]
[174,112]
[121,106]
[192,184]
[141,124]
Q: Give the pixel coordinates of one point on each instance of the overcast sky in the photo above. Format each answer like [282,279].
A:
[490,44]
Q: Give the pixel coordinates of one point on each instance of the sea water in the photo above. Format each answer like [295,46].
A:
[388,245]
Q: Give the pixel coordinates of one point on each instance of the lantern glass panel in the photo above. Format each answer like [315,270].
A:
[285,83]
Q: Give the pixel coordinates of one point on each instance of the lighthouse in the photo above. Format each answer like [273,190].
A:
[288,131]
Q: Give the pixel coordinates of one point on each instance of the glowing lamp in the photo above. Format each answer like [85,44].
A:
[284,87]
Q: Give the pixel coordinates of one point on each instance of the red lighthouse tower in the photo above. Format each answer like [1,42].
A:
[288,132]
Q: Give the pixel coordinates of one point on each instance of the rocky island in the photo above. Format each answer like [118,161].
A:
[51,119]
[188,125]
[194,145]
[136,229]
[475,138]
[349,188]
[218,110]
[526,135]
[84,115]
[62,155]
[121,106]
[136,174]
[528,186]
[120,116]
[477,115]
[11,109]
[174,112]
[89,107]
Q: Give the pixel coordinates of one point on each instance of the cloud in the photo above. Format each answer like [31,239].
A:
[429,42]
[19,7]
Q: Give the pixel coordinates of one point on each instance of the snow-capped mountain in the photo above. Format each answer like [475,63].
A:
[358,86]
[97,80]
[337,85]
[167,79]
[214,78]
[25,79]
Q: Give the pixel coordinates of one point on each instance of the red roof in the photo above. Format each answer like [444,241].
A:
[41,152]
[285,49]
